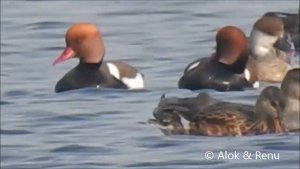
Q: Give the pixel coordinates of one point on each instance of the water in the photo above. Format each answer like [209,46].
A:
[106,129]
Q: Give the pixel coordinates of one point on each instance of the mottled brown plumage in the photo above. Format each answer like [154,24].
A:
[225,118]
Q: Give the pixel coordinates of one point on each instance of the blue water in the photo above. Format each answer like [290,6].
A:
[107,129]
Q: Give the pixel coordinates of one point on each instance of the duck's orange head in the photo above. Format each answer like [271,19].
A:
[83,40]
[232,48]
[270,25]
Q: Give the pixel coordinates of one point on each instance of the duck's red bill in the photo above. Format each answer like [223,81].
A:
[278,126]
[68,53]
[291,53]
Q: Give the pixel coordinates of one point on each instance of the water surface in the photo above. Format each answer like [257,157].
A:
[106,129]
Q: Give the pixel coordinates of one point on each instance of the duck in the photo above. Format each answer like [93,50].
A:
[290,87]
[224,70]
[291,25]
[269,58]
[225,118]
[84,42]
[187,103]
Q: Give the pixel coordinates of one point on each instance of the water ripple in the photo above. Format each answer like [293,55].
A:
[90,128]
[47,25]
[176,163]
[14,132]
[75,148]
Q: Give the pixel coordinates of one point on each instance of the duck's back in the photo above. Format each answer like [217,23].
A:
[224,119]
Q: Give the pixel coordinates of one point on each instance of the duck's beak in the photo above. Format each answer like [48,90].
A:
[278,125]
[68,53]
[285,44]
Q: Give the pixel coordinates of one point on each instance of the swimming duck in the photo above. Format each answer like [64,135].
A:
[223,70]
[189,104]
[84,41]
[291,89]
[269,50]
[225,118]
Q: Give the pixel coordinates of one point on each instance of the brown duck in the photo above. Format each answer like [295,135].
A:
[225,118]
[291,89]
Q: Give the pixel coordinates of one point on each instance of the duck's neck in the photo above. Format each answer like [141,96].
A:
[178,128]
[237,67]
[261,44]
[94,65]
[92,59]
